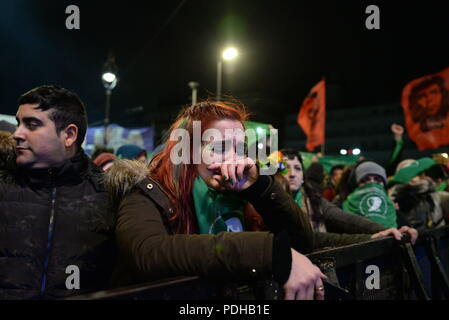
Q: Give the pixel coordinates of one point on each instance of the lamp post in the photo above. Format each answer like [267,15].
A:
[194,85]
[110,79]
[227,54]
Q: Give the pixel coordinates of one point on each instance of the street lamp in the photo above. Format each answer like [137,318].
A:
[227,54]
[110,79]
[194,85]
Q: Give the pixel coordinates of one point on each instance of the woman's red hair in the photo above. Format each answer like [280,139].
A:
[177,179]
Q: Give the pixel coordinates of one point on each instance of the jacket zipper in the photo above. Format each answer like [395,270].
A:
[49,236]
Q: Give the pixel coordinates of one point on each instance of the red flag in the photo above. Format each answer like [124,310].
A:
[312,116]
[426,104]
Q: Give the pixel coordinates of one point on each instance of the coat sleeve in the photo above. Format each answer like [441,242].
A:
[326,239]
[155,254]
[280,212]
[340,221]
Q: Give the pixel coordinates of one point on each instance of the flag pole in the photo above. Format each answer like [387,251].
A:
[323,145]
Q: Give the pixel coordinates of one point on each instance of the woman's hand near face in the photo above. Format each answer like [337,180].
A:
[236,175]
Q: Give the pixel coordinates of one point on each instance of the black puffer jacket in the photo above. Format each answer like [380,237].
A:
[51,219]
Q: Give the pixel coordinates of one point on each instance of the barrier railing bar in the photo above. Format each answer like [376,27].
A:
[343,256]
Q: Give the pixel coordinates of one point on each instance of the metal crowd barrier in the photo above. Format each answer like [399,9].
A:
[379,269]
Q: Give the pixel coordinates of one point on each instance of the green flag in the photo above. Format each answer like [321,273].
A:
[328,161]
[414,169]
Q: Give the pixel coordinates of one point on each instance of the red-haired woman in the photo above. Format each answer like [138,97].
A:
[156,220]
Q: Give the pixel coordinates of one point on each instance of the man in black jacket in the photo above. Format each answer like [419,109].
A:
[57,232]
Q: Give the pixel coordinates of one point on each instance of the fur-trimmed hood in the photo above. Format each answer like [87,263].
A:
[123,176]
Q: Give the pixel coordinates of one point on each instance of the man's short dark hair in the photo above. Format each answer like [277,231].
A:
[67,108]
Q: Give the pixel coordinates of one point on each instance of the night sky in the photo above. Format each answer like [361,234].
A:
[285,48]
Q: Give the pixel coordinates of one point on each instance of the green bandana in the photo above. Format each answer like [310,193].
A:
[372,201]
[215,211]
[442,186]
[298,198]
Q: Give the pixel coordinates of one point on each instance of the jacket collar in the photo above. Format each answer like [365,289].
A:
[71,171]
[153,190]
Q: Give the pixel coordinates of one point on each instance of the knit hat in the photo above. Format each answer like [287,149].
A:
[129,151]
[104,158]
[369,167]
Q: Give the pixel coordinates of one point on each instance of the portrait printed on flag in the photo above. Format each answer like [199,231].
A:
[425,102]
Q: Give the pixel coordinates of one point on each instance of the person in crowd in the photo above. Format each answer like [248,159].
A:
[345,186]
[157,227]
[370,198]
[347,182]
[105,160]
[418,202]
[57,235]
[334,178]
[99,149]
[132,152]
[326,217]
[438,173]
[315,175]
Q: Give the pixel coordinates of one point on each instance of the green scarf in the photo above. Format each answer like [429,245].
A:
[442,186]
[372,201]
[298,198]
[215,211]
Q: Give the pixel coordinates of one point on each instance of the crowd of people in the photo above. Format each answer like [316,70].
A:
[124,218]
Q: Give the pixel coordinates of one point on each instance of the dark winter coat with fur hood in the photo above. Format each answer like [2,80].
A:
[150,250]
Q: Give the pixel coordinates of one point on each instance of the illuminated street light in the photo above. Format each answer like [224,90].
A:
[227,54]
[110,79]
[230,53]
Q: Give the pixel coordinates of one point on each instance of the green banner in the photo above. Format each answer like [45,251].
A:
[329,161]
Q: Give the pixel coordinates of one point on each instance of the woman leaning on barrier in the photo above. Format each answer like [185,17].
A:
[157,224]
